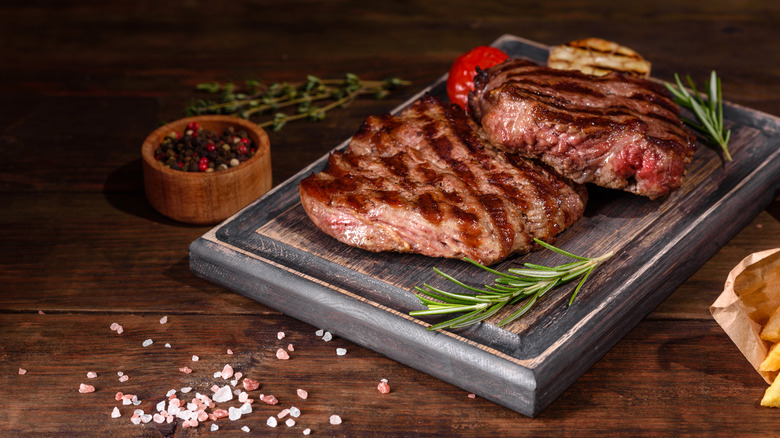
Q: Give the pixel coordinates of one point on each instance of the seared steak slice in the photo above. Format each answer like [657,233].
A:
[426,182]
[615,131]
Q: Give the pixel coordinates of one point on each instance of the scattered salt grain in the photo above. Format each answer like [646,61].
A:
[290,347]
[306,431]
[126,401]
[114,326]
[186,389]
[383,387]
[281,354]
[280,335]
[246,429]
[185,370]
[136,401]
[271,421]
[302,393]
[167,345]
[158,418]
[145,418]
[217,374]
[170,393]
[164,319]
[195,358]
[341,351]
[147,343]
[472,396]
[246,408]
[222,395]
[295,412]
[135,419]
[269,399]
[238,375]
[229,351]
[115,413]
[161,406]
[234,382]
[124,378]
[335,419]
[327,337]
[41,312]
[319,332]
[119,330]
[91,375]
[227,372]
[85,389]
[242,396]
[22,371]
[234,414]
[250,385]
[290,422]
[120,374]
[283,413]
[214,427]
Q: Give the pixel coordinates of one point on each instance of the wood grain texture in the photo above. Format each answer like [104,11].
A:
[82,84]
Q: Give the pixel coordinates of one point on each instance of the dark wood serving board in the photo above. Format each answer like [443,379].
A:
[272,253]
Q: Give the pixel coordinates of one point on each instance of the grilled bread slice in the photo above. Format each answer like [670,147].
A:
[597,57]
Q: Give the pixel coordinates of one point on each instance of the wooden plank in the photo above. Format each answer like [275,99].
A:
[270,253]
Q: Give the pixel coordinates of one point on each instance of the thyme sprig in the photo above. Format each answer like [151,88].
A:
[521,286]
[287,101]
[709,112]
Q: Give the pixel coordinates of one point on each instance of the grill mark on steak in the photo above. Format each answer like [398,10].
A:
[615,131]
[426,181]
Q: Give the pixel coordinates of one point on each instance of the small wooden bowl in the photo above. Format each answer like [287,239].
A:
[206,198]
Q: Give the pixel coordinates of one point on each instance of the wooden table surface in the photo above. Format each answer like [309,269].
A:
[82,84]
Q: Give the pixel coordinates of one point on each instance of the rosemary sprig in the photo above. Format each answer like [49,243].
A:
[709,112]
[298,100]
[520,286]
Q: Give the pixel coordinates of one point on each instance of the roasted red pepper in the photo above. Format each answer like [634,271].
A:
[461,78]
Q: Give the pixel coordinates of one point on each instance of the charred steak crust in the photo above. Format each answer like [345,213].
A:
[615,131]
[427,182]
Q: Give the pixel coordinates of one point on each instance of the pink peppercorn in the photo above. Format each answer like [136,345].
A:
[211,147]
[243,149]
[194,126]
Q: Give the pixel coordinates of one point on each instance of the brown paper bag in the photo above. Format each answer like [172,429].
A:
[750,296]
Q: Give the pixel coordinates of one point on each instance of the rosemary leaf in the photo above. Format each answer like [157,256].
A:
[524,289]
[709,112]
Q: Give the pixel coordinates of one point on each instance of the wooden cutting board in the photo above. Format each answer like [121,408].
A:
[272,253]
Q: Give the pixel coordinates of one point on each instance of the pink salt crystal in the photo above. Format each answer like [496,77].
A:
[214,388]
[124,378]
[41,312]
[22,371]
[223,394]
[164,319]
[119,396]
[220,413]
[91,375]
[202,416]
[281,354]
[280,335]
[472,396]
[119,329]
[114,326]
[115,413]
[158,418]
[229,351]
[269,399]
[283,413]
[238,375]
[195,358]
[185,370]
[302,393]
[85,389]
[243,396]
[170,419]
[335,419]
[227,372]
[250,385]
[383,387]
[290,347]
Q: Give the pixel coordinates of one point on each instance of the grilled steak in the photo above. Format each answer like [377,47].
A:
[426,182]
[615,131]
